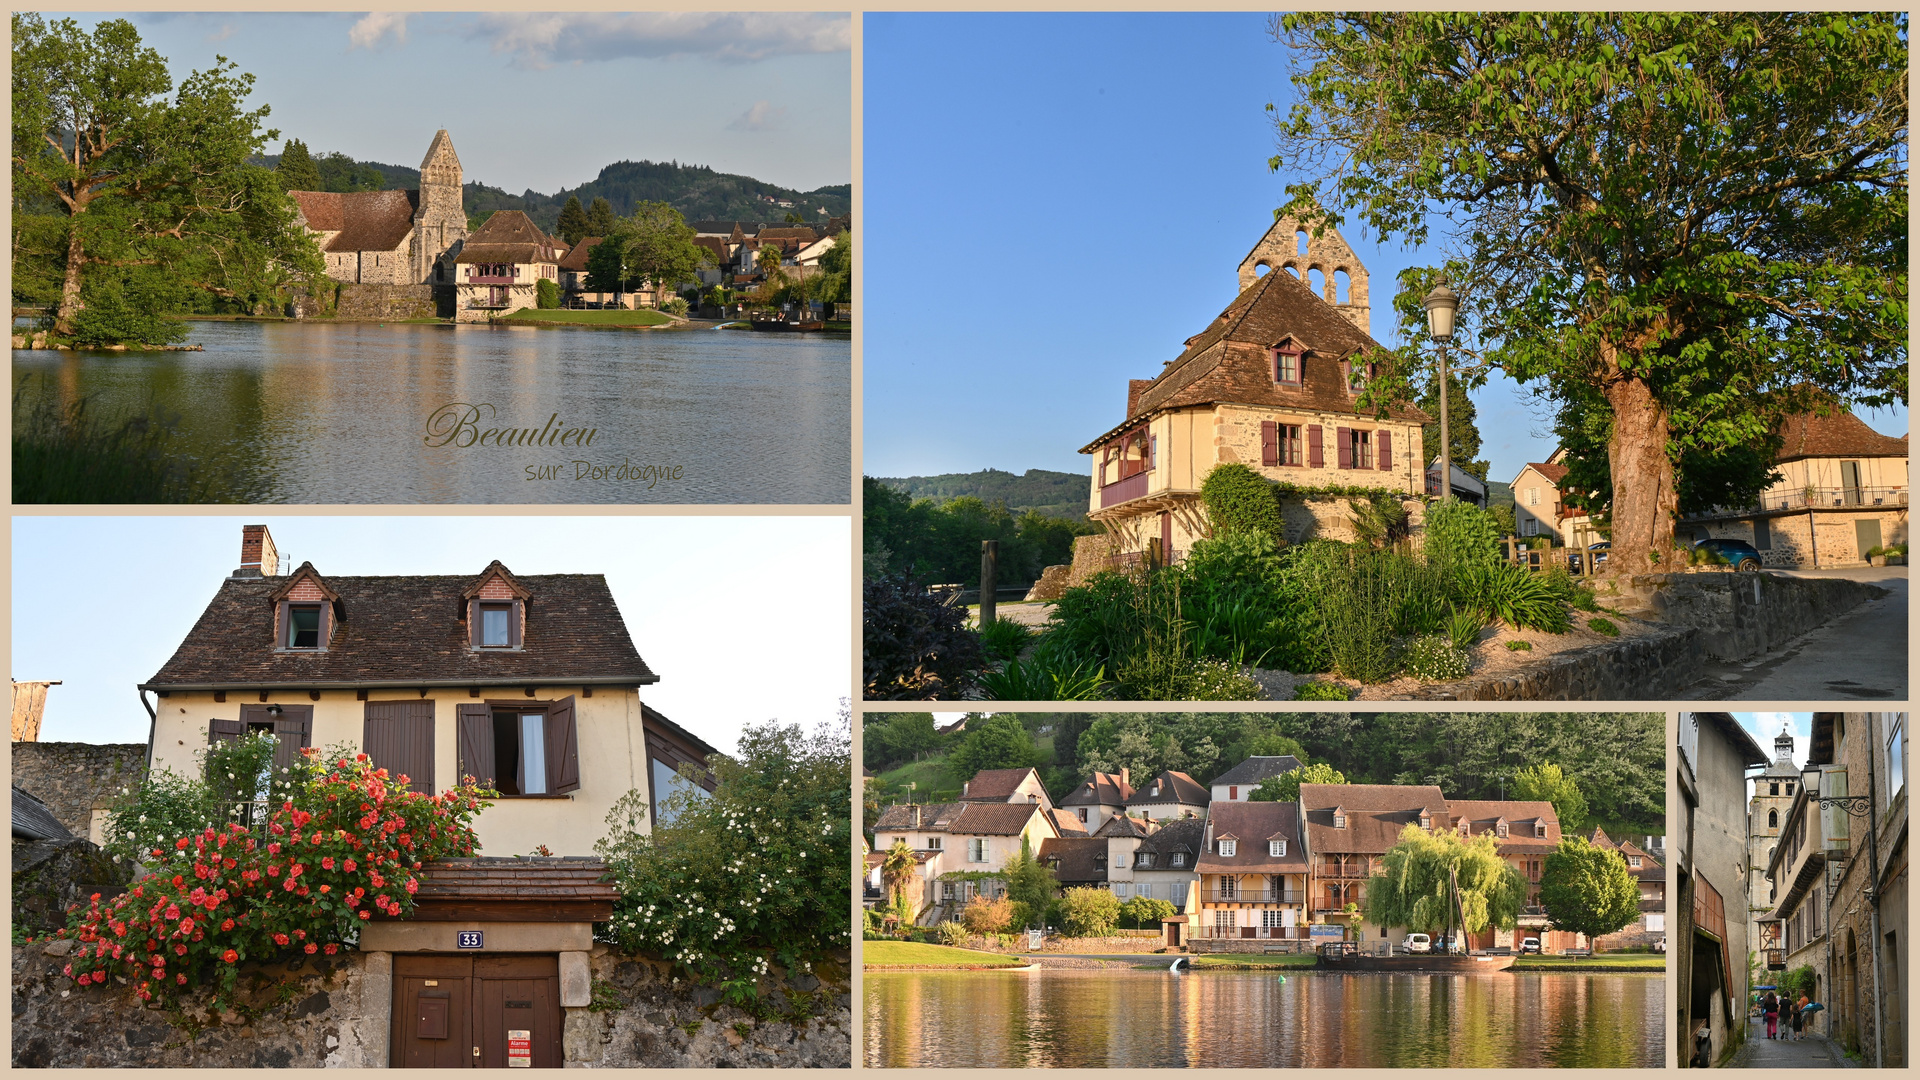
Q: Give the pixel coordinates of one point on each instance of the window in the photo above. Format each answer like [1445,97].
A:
[1501,828]
[1223,920]
[1179,858]
[1633,861]
[1286,367]
[667,782]
[1656,922]
[933,843]
[1229,886]
[1276,848]
[1773,788]
[977,849]
[1122,889]
[1339,821]
[1896,756]
[901,840]
[303,626]
[1233,792]
[1773,819]
[1426,820]
[521,749]
[1143,860]
[1358,375]
[495,623]
[1083,815]
[1363,449]
[1789,787]
[1539,828]
[1273,920]
[398,737]
[1290,447]
[1227,848]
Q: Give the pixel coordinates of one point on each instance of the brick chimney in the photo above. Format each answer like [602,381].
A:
[1123,777]
[258,556]
[916,816]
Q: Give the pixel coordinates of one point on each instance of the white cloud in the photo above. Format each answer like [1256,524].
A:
[539,40]
[226,31]
[368,32]
[763,116]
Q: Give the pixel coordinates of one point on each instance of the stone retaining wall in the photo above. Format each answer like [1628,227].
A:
[75,779]
[335,1012]
[1645,668]
[1743,615]
[386,302]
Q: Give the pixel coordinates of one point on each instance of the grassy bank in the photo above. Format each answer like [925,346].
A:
[1249,962]
[570,317]
[1606,962]
[914,954]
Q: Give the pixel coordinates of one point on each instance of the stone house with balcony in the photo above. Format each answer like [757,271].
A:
[1842,491]
[1526,833]
[1154,859]
[391,237]
[1271,383]
[1253,870]
[1348,828]
[1099,799]
[499,268]
[1237,783]
[1172,794]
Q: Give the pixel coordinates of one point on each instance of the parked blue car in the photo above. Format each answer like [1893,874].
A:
[1744,556]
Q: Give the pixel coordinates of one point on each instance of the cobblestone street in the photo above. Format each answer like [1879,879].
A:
[1760,1052]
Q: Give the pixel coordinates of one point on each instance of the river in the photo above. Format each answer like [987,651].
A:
[1114,1018]
[318,412]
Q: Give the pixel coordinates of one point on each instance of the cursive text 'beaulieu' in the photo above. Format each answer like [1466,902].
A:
[458,424]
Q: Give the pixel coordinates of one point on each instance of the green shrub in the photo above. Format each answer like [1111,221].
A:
[1381,520]
[1088,912]
[1003,638]
[1215,680]
[1041,679]
[1320,691]
[1520,646]
[1434,659]
[675,306]
[1463,628]
[1521,598]
[1603,626]
[952,934]
[1460,534]
[123,306]
[1362,602]
[232,774]
[1240,500]
[1584,599]
[546,294]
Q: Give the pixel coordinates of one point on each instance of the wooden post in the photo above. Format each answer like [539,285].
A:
[989,556]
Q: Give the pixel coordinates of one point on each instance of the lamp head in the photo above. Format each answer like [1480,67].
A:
[1810,780]
[1441,303]
[275,710]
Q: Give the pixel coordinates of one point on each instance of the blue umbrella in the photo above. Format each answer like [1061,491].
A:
[1812,1006]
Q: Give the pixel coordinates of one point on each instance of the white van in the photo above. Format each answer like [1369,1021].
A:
[1419,943]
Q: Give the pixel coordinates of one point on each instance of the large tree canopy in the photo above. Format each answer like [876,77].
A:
[124,197]
[1699,220]
[1588,889]
[1415,887]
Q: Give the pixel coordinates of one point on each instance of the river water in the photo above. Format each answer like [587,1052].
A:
[1112,1018]
[339,412]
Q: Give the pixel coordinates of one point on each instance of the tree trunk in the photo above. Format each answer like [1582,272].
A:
[70,286]
[1644,499]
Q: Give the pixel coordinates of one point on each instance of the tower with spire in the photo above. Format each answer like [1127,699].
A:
[440,219]
[1766,812]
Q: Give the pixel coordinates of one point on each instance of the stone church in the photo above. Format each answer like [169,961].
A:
[392,237]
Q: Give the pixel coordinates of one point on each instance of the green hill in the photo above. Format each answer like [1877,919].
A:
[1056,494]
[1499,492]
[698,192]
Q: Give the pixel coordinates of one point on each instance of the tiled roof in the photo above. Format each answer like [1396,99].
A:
[994,785]
[1104,789]
[1255,769]
[1188,835]
[32,820]
[1122,825]
[1376,813]
[1482,814]
[1228,361]
[787,233]
[972,819]
[1171,787]
[1841,434]
[1068,823]
[1553,473]
[1253,824]
[932,817]
[409,630]
[509,236]
[577,258]
[364,220]
[1081,859]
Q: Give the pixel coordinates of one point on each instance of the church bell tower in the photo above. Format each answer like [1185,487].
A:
[440,220]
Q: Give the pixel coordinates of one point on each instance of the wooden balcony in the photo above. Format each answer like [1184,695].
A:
[1254,896]
[1271,933]
[1133,487]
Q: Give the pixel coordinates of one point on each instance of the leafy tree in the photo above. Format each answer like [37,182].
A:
[600,218]
[1587,889]
[1142,910]
[896,870]
[1415,886]
[296,168]
[656,245]
[127,196]
[606,267]
[836,269]
[999,742]
[888,739]
[546,293]
[1030,882]
[1699,218]
[1241,500]
[1088,912]
[985,916]
[1286,787]
[1546,782]
[573,222]
[338,172]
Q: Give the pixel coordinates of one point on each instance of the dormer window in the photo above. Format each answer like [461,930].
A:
[1501,828]
[496,622]
[1228,847]
[1358,376]
[1539,828]
[1633,861]
[1179,858]
[1339,819]
[1276,848]
[306,611]
[1286,366]
[1143,860]
[496,610]
[1426,821]
[303,626]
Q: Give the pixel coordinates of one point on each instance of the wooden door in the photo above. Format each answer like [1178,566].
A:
[1866,535]
[469,1012]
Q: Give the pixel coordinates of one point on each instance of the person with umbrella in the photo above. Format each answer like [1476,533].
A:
[1807,1008]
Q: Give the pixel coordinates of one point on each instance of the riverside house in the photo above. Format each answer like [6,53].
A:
[1252,873]
[1527,832]
[1272,384]
[1099,799]
[499,268]
[958,845]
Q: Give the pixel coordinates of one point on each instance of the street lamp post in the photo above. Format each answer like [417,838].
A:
[1441,303]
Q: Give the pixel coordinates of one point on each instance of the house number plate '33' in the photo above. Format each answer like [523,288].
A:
[472,939]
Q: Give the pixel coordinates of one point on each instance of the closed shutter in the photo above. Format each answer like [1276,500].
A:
[1153,452]
[476,744]
[1316,454]
[1386,449]
[563,749]
[280,633]
[473,624]
[1762,535]
[1343,442]
[516,616]
[1269,443]
[399,739]
[224,731]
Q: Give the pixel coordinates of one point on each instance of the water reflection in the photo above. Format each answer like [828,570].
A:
[1066,1019]
[332,413]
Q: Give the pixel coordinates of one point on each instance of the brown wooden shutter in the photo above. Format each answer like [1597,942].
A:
[1316,453]
[476,744]
[224,731]
[563,749]
[281,626]
[516,615]
[1343,442]
[1269,444]
[399,739]
[473,623]
[1385,438]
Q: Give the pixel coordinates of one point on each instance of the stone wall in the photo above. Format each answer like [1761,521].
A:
[50,876]
[1793,542]
[393,302]
[1646,668]
[1743,615]
[75,779]
[335,1012]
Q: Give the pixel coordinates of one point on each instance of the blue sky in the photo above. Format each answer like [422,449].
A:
[707,601]
[544,100]
[1053,204]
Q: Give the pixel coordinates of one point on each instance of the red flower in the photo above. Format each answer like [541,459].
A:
[228,925]
[332,948]
[180,844]
[312,948]
[180,950]
[229,956]
[366,914]
[349,866]
[326,863]
[280,939]
[181,978]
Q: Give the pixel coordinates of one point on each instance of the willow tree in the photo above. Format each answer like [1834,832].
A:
[1701,219]
[1415,887]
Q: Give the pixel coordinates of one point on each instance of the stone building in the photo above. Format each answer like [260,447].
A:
[391,237]
[1271,383]
[1842,491]
[1708,948]
[499,268]
[1766,814]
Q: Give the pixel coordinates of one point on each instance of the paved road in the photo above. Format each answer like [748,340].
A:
[1760,1052]
[1861,656]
